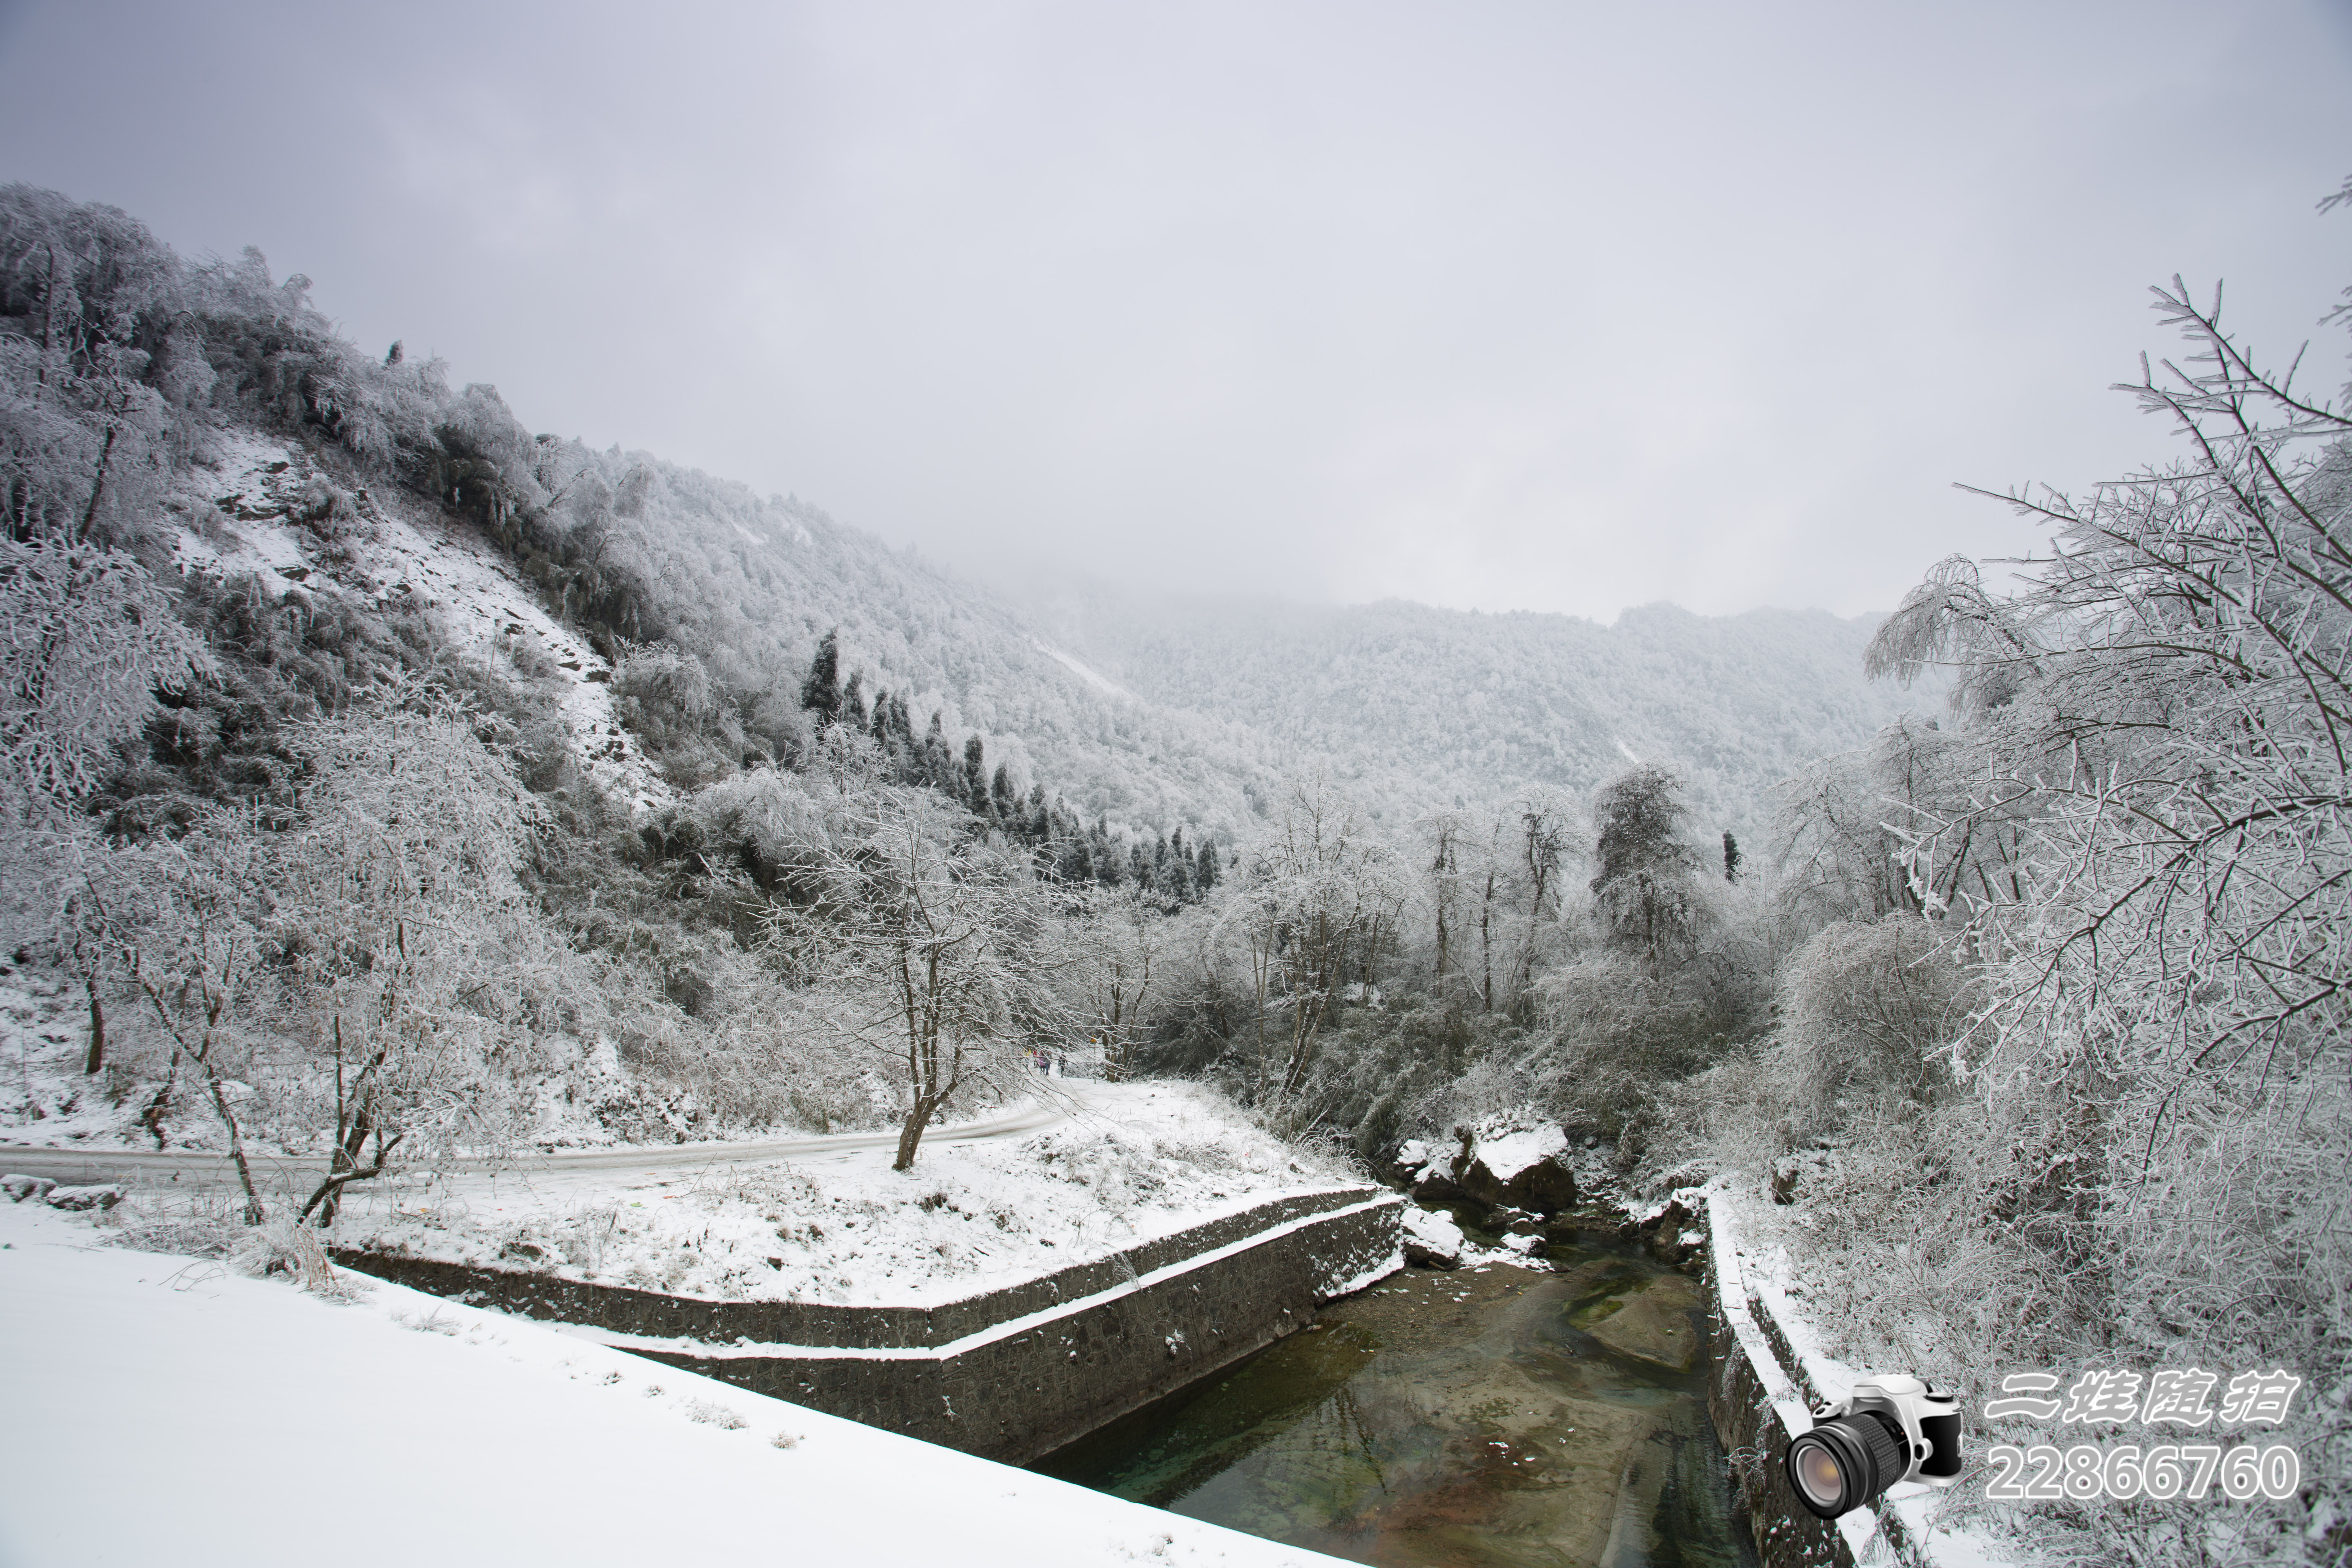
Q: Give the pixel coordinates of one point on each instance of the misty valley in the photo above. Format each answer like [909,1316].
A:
[808,1023]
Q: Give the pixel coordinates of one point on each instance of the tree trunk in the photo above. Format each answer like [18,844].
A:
[151,1118]
[910,1135]
[94,1059]
[235,1141]
[98,486]
[1486,944]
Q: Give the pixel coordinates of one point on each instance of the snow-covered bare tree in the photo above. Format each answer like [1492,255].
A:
[1115,944]
[1320,897]
[188,918]
[405,936]
[2159,720]
[927,949]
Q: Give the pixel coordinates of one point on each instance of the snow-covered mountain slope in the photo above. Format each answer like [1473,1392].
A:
[150,1394]
[1153,714]
[1161,714]
[751,584]
[1414,707]
[246,521]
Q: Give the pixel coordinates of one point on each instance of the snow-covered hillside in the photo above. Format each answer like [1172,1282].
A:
[1159,714]
[246,519]
[1413,707]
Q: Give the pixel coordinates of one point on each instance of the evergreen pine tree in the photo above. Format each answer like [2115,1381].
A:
[821,692]
[1730,857]
[938,763]
[906,763]
[975,775]
[1205,870]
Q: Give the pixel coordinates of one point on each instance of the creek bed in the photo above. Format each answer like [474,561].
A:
[1489,1416]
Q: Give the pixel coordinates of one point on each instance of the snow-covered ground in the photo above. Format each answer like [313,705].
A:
[488,610]
[1124,1163]
[161,1410]
[1133,1162]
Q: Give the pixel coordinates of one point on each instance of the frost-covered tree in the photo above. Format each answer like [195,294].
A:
[405,941]
[1319,899]
[337,971]
[87,639]
[929,949]
[2141,830]
[1118,943]
[821,691]
[1643,883]
[188,918]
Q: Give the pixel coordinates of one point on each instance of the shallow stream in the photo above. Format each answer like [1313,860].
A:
[1498,1415]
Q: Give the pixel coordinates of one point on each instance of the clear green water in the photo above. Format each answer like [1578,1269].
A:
[1469,1418]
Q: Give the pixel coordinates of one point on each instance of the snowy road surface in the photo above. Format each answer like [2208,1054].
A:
[87,1165]
[161,1410]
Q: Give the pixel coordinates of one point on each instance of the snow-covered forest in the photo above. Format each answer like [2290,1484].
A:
[386,781]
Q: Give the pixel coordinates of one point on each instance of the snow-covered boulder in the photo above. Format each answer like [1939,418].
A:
[1432,1240]
[82,1197]
[1517,1165]
[1523,1167]
[19,1188]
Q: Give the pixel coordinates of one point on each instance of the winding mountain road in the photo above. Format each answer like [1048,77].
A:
[79,1167]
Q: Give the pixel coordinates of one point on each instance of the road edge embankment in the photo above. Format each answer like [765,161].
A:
[1012,1376]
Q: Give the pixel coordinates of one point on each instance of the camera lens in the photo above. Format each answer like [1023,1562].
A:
[1846,1461]
[1818,1473]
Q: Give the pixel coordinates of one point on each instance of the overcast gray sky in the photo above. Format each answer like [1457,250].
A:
[1508,305]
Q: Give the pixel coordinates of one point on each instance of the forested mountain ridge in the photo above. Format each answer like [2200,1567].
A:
[1416,708]
[1162,716]
[1151,716]
[751,586]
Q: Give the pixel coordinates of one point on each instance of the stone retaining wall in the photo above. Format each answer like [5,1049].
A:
[1760,1399]
[1012,1374]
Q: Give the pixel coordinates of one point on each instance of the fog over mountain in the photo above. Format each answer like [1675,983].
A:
[1415,708]
[1184,712]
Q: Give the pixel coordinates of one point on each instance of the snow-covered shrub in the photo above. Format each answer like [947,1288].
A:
[1866,1011]
[280,1245]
